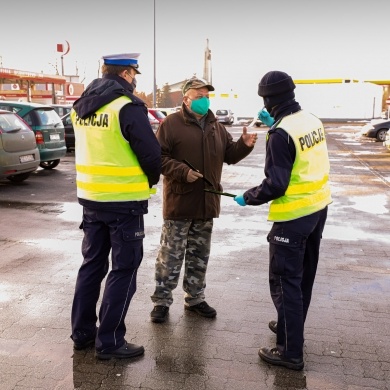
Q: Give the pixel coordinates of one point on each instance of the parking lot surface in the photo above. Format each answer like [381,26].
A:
[347,332]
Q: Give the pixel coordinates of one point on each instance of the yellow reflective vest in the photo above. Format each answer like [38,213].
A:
[308,190]
[107,168]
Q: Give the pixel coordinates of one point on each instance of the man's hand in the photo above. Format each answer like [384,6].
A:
[249,139]
[193,175]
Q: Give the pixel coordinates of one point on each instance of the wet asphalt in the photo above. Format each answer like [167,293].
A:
[347,335]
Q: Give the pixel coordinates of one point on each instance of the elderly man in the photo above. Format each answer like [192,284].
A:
[193,135]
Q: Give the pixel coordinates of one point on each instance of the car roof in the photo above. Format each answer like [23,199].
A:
[380,122]
[24,104]
[7,112]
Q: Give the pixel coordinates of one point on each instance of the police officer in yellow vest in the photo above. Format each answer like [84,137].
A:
[296,183]
[118,160]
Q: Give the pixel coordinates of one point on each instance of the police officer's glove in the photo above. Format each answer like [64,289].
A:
[265,117]
[240,200]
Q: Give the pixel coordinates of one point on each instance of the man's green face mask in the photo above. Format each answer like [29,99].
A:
[200,106]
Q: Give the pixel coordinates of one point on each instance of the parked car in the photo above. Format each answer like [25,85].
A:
[169,110]
[386,143]
[153,122]
[19,155]
[62,109]
[376,129]
[225,116]
[160,116]
[69,131]
[48,129]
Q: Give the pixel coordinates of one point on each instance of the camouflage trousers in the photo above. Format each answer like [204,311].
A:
[187,240]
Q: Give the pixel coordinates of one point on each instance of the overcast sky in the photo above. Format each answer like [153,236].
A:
[247,38]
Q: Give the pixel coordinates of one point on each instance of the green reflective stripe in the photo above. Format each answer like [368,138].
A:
[109,171]
[113,187]
[107,196]
[104,179]
[306,187]
[300,204]
[295,214]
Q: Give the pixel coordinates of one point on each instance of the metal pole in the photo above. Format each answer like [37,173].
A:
[62,65]
[154,49]
[62,73]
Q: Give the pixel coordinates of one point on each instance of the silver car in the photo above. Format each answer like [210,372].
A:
[225,116]
[47,126]
[19,155]
[376,129]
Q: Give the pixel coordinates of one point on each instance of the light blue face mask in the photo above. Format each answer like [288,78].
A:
[200,106]
[265,117]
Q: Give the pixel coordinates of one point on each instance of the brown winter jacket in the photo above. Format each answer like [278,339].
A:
[182,138]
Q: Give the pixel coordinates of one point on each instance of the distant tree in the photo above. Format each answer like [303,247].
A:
[164,97]
[148,99]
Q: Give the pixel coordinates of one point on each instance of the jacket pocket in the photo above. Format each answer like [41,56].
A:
[133,237]
[182,188]
[286,253]
[132,245]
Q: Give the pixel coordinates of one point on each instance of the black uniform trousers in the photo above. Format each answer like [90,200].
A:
[293,251]
[121,233]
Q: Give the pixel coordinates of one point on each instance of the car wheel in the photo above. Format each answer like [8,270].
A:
[19,178]
[381,135]
[49,164]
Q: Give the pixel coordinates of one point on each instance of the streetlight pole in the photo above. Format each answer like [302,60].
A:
[154,53]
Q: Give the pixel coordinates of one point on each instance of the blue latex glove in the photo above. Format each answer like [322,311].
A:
[240,200]
[265,117]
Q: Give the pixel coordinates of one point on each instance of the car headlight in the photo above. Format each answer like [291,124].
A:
[366,129]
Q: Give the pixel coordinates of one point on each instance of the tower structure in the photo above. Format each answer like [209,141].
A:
[207,74]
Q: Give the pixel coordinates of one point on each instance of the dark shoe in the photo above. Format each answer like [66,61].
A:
[273,325]
[126,351]
[203,309]
[159,313]
[83,341]
[272,356]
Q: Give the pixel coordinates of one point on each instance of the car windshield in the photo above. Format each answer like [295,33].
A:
[221,112]
[62,110]
[159,114]
[48,117]
[66,119]
[10,122]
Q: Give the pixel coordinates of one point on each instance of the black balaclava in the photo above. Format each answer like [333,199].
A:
[277,90]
